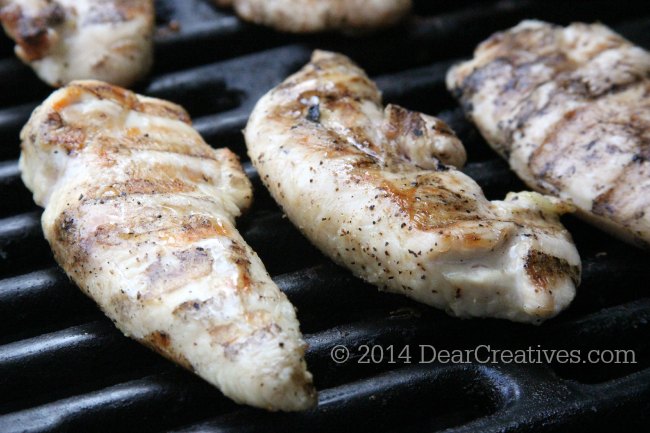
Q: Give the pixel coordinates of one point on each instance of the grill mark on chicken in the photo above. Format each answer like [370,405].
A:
[377,189]
[305,16]
[115,11]
[427,202]
[67,138]
[152,228]
[66,232]
[568,108]
[234,350]
[429,205]
[64,40]
[171,272]
[545,270]
[226,335]
[142,186]
[31,32]
[123,97]
[171,172]
[154,225]
[160,342]
[71,138]
[140,212]
[543,159]
[240,257]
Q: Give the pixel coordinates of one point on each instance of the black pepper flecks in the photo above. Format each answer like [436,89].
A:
[313,113]
[441,167]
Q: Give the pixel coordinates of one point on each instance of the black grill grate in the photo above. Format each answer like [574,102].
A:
[64,367]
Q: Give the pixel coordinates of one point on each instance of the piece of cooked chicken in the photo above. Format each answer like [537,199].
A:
[305,16]
[569,108]
[372,189]
[140,213]
[65,40]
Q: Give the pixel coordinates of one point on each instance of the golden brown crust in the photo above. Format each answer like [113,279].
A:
[31,32]
[124,98]
[304,16]
[377,189]
[160,342]
[140,212]
[545,270]
[431,200]
[429,205]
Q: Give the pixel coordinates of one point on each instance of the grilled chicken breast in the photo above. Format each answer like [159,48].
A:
[303,16]
[65,40]
[140,213]
[569,109]
[376,189]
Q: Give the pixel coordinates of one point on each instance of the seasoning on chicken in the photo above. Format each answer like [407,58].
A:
[140,213]
[374,189]
[304,16]
[65,40]
[569,108]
